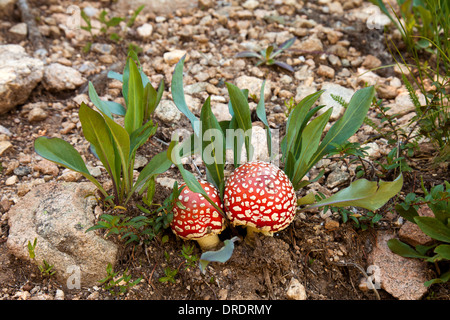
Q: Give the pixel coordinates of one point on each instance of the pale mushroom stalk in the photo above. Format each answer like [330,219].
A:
[209,242]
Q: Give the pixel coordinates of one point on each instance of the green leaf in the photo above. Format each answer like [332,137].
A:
[433,228]
[443,250]
[115,107]
[100,104]
[365,194]
[442,279]
[309,143]
[403,249]
[248,54]
[347,125]
[64,154]
[60,152]
[222,255]
[115,75]
[135,111]
[297,121]
[159,164]
[408,214]
[97,133]
[213,145]
[261,114]
[241,110]
[178,96]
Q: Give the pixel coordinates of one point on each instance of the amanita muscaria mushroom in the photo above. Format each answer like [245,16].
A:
[199,220]
[261,197]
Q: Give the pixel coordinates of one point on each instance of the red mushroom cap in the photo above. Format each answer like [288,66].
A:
[200,218]
[260,195]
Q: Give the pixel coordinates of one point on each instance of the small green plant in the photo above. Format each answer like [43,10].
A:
[109,24]
[115,146]
[45,268]
[267,56]
[437,227]
[170,275]
[118,285]
[187,254]
[360,220]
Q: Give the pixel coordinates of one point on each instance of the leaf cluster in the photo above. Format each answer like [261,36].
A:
[437,227]
[115,146]
[118,285]
[109,23]
[267,56]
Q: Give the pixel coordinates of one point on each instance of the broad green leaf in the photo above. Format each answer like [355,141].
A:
[403,249]
[222,255]
[115,107]
[140,136]
[115,75]
[365,194]
[241,110]
[213,145]
[60,152]
[442,279]
[159,164]
[433,228]
[97,133]
[100,104]
[407,214]
[64,154]
[297,120]
[310,141]
[122,147]
[347,125]
[443,250]
[135,111]
[261,114]
[308,199]
[178,95]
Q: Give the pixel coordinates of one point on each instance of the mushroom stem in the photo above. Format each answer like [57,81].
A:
[209,242]
[250,237]
[251,233]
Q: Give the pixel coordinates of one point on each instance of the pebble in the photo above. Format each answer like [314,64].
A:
[4,146]
[172,57]
[145,31]
[325,71]
[11,180]
[47,167]
[37,114]
[296,291]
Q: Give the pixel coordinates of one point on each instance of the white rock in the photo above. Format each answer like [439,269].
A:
[172,57]
[145,30]
[296,290]
[11,180]
[58,215]
[19,75]
[58,77]
[329,102]
[19,30]
[167,111]
[253,85]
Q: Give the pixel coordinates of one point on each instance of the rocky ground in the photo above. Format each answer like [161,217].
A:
[318,257]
